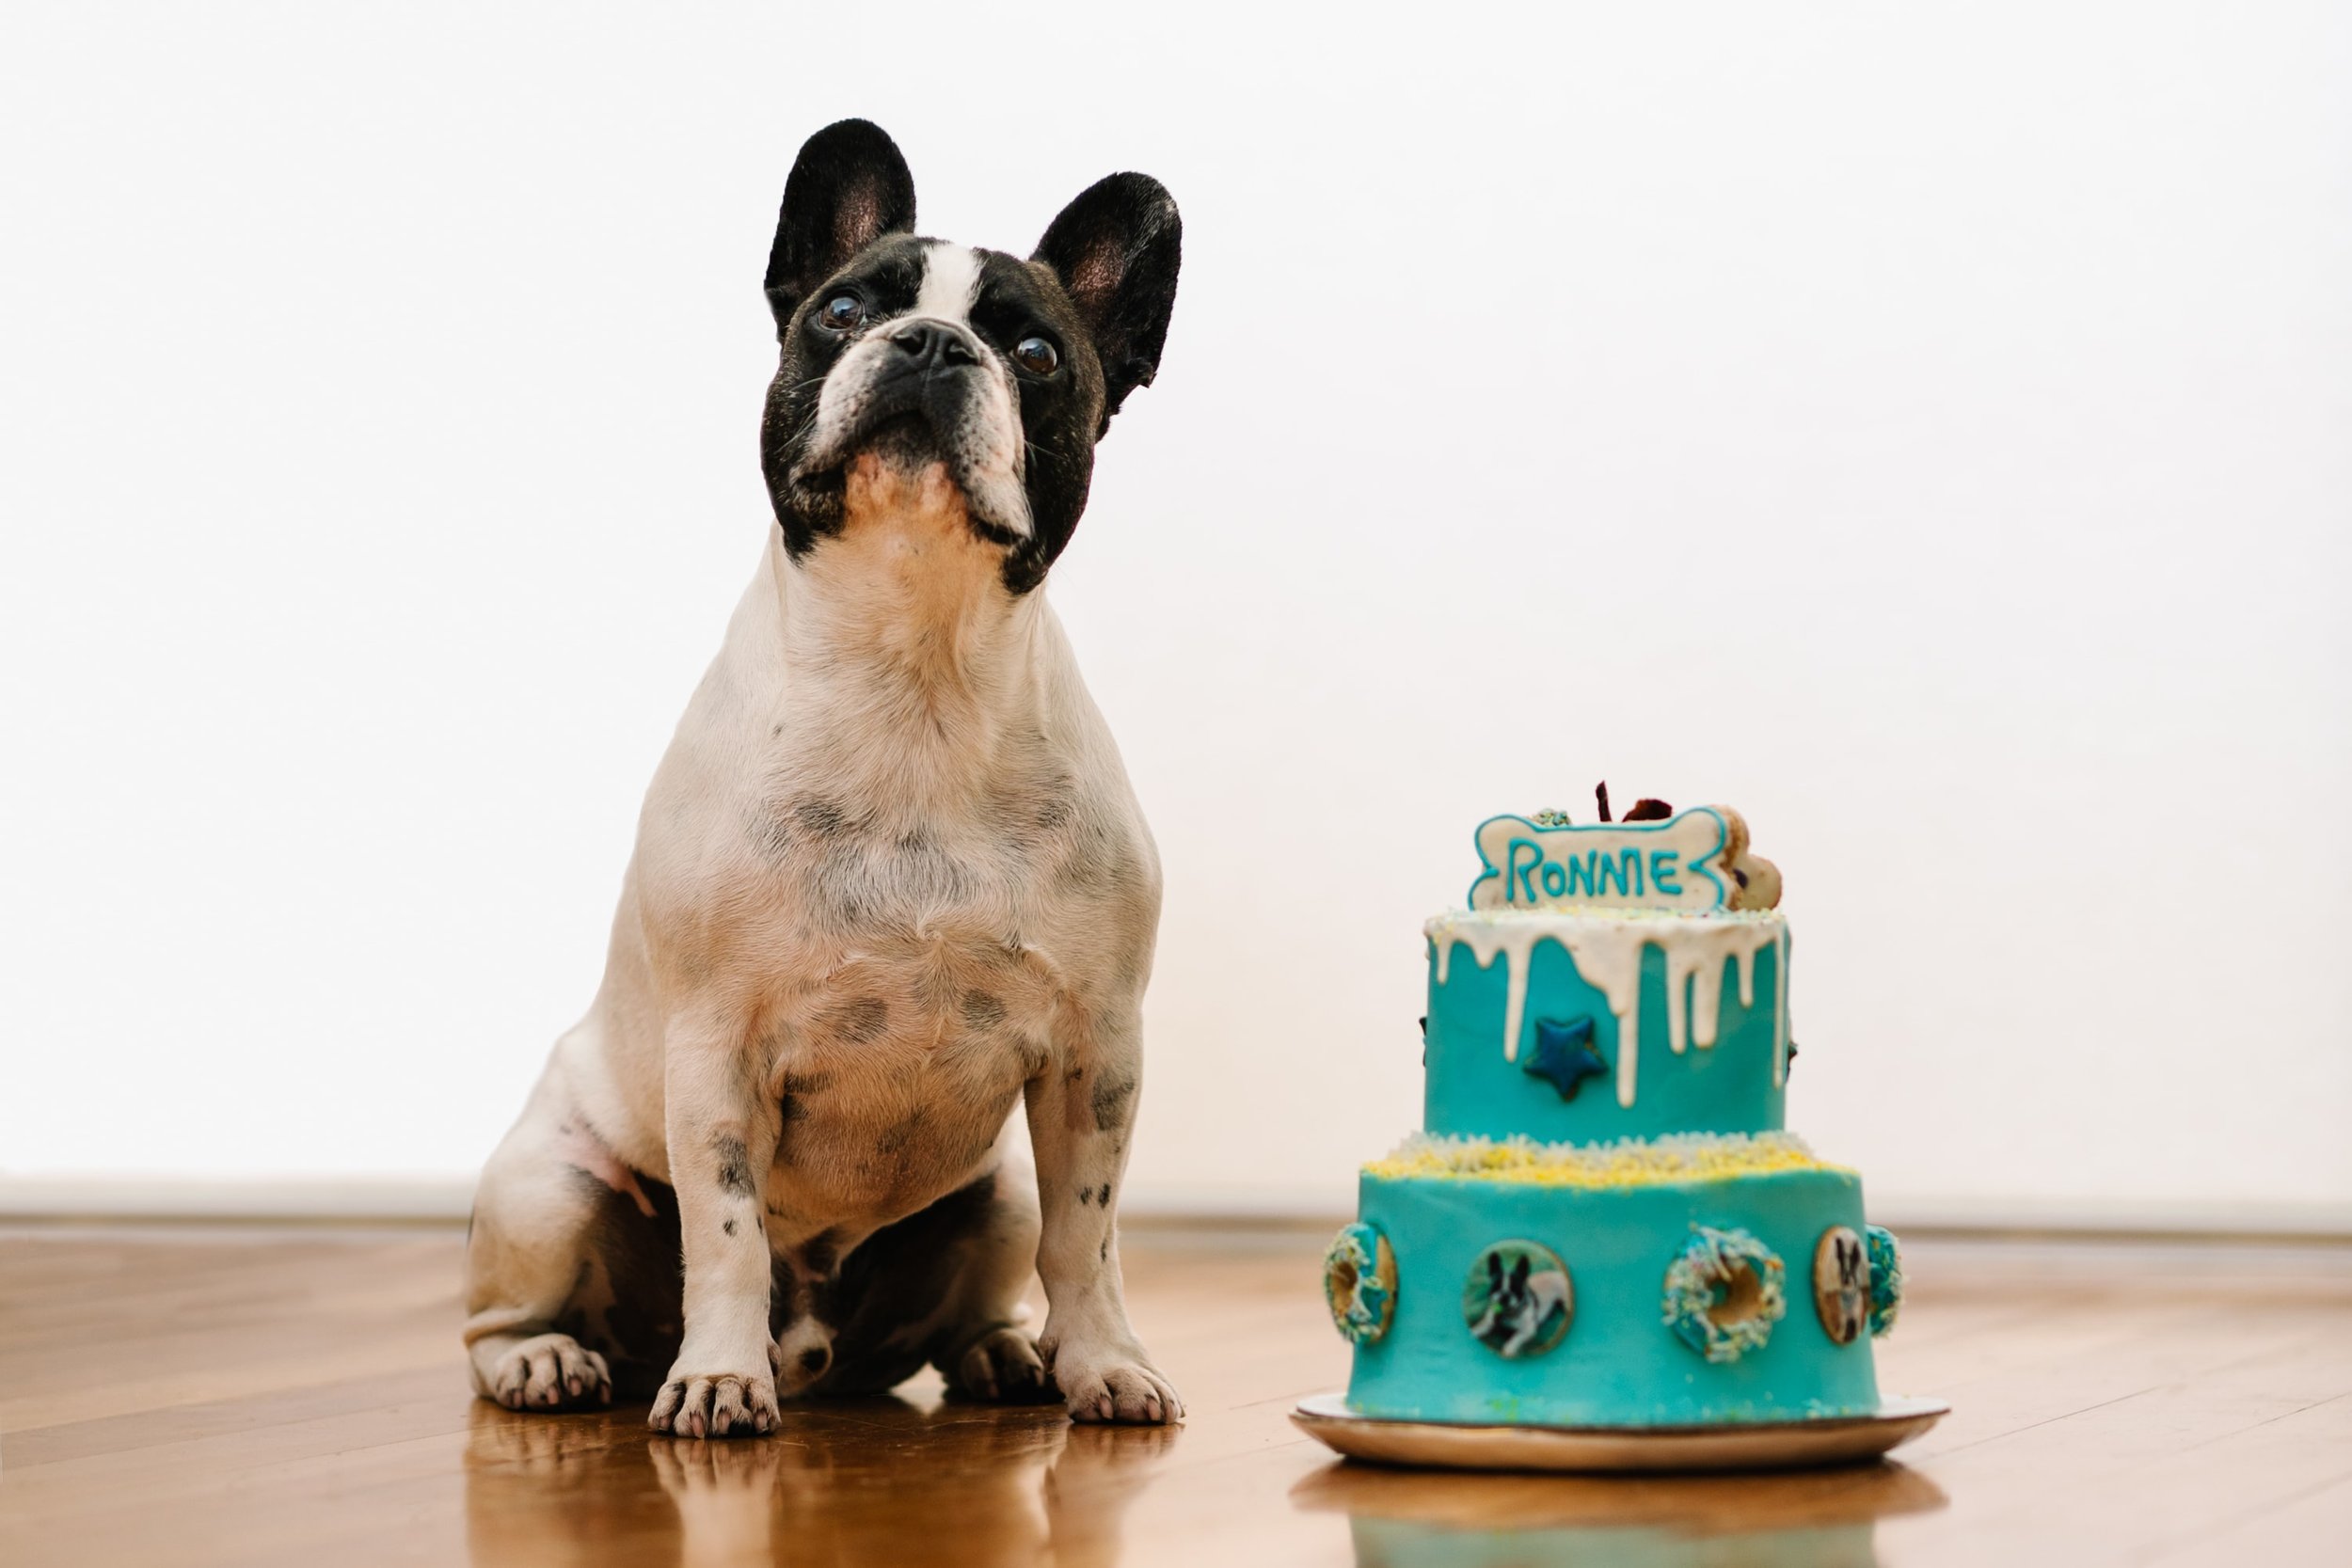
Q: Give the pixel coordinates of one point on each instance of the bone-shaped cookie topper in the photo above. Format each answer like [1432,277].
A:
[1694,861]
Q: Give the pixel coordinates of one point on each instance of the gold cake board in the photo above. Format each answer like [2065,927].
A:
[1749,1446]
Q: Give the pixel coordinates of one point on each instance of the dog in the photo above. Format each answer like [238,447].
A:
[890,881]
[1518,1308]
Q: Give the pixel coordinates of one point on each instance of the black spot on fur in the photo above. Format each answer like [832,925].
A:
[735,1165]
[894,1142]
[860,1020]
[772,834]
[981,1010]
[1105,1253]
[1086,1194]
[823,819]
[728,1227]
[1103,1197]
[1111,1098]
[922,871]
[795,1092]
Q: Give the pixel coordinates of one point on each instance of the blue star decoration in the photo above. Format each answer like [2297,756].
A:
[1563,1055]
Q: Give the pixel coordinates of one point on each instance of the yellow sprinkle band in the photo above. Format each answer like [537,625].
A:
[1626,1163]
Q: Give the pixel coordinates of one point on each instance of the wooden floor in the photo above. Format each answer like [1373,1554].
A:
[261,1397]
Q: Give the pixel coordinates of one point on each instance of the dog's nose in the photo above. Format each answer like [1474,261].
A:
[934,344]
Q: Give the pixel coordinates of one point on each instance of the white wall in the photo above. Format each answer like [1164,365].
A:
[1924,428]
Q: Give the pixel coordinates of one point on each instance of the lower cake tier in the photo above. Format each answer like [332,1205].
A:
[1486,1299]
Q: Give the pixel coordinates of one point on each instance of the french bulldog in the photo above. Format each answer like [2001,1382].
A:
[890,881]
[1519,1306]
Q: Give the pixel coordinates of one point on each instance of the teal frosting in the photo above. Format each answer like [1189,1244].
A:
[1470,1088]
[1618,1364]
[1886,1278]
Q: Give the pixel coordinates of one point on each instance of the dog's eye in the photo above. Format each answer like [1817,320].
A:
[1036,356]
[842,312]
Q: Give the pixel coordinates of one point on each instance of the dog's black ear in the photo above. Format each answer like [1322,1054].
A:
[1494,1268]
[1518,1271]
[1116,250]
[850,186]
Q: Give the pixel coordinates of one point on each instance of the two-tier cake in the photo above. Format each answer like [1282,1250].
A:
[1602,1249]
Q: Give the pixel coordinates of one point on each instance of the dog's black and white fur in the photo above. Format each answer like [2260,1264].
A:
[1519,1304]
[890,879]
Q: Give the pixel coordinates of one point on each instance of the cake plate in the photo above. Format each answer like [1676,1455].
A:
[1749,1446]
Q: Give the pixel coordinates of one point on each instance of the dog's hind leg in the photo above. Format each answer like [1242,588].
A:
[982,1351]
[944,1286]
[571,1265]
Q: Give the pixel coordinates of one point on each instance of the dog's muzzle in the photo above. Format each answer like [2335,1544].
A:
[924,367]
[933,375]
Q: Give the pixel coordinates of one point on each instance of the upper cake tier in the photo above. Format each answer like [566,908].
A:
[1612,981]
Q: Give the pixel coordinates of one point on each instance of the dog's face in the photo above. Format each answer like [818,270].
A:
[1516,1302]
[916,353]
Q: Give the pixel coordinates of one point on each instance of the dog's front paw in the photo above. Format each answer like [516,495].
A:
[1115,1384]
[1001,1367]
[550,1372]
[714,1405]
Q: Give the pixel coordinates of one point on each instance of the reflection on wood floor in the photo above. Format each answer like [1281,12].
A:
[1821,1518]
[241,1399]
[863,1482]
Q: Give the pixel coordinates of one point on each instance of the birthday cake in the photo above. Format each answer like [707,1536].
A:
[1603,1222]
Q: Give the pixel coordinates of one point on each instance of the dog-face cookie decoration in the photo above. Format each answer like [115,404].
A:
[1725,1291]
[1841,1284]
[1518,1299]
[1359,1282]
[1692,862]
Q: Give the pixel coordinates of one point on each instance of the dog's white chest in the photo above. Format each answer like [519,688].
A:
[921,974]
[917,883]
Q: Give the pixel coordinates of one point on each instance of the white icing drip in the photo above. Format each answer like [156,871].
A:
[1610,959]
[1694,969]
[1515,940]
[1608,954]
[1780,1010]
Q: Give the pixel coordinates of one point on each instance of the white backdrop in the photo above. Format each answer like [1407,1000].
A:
[1923,427]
